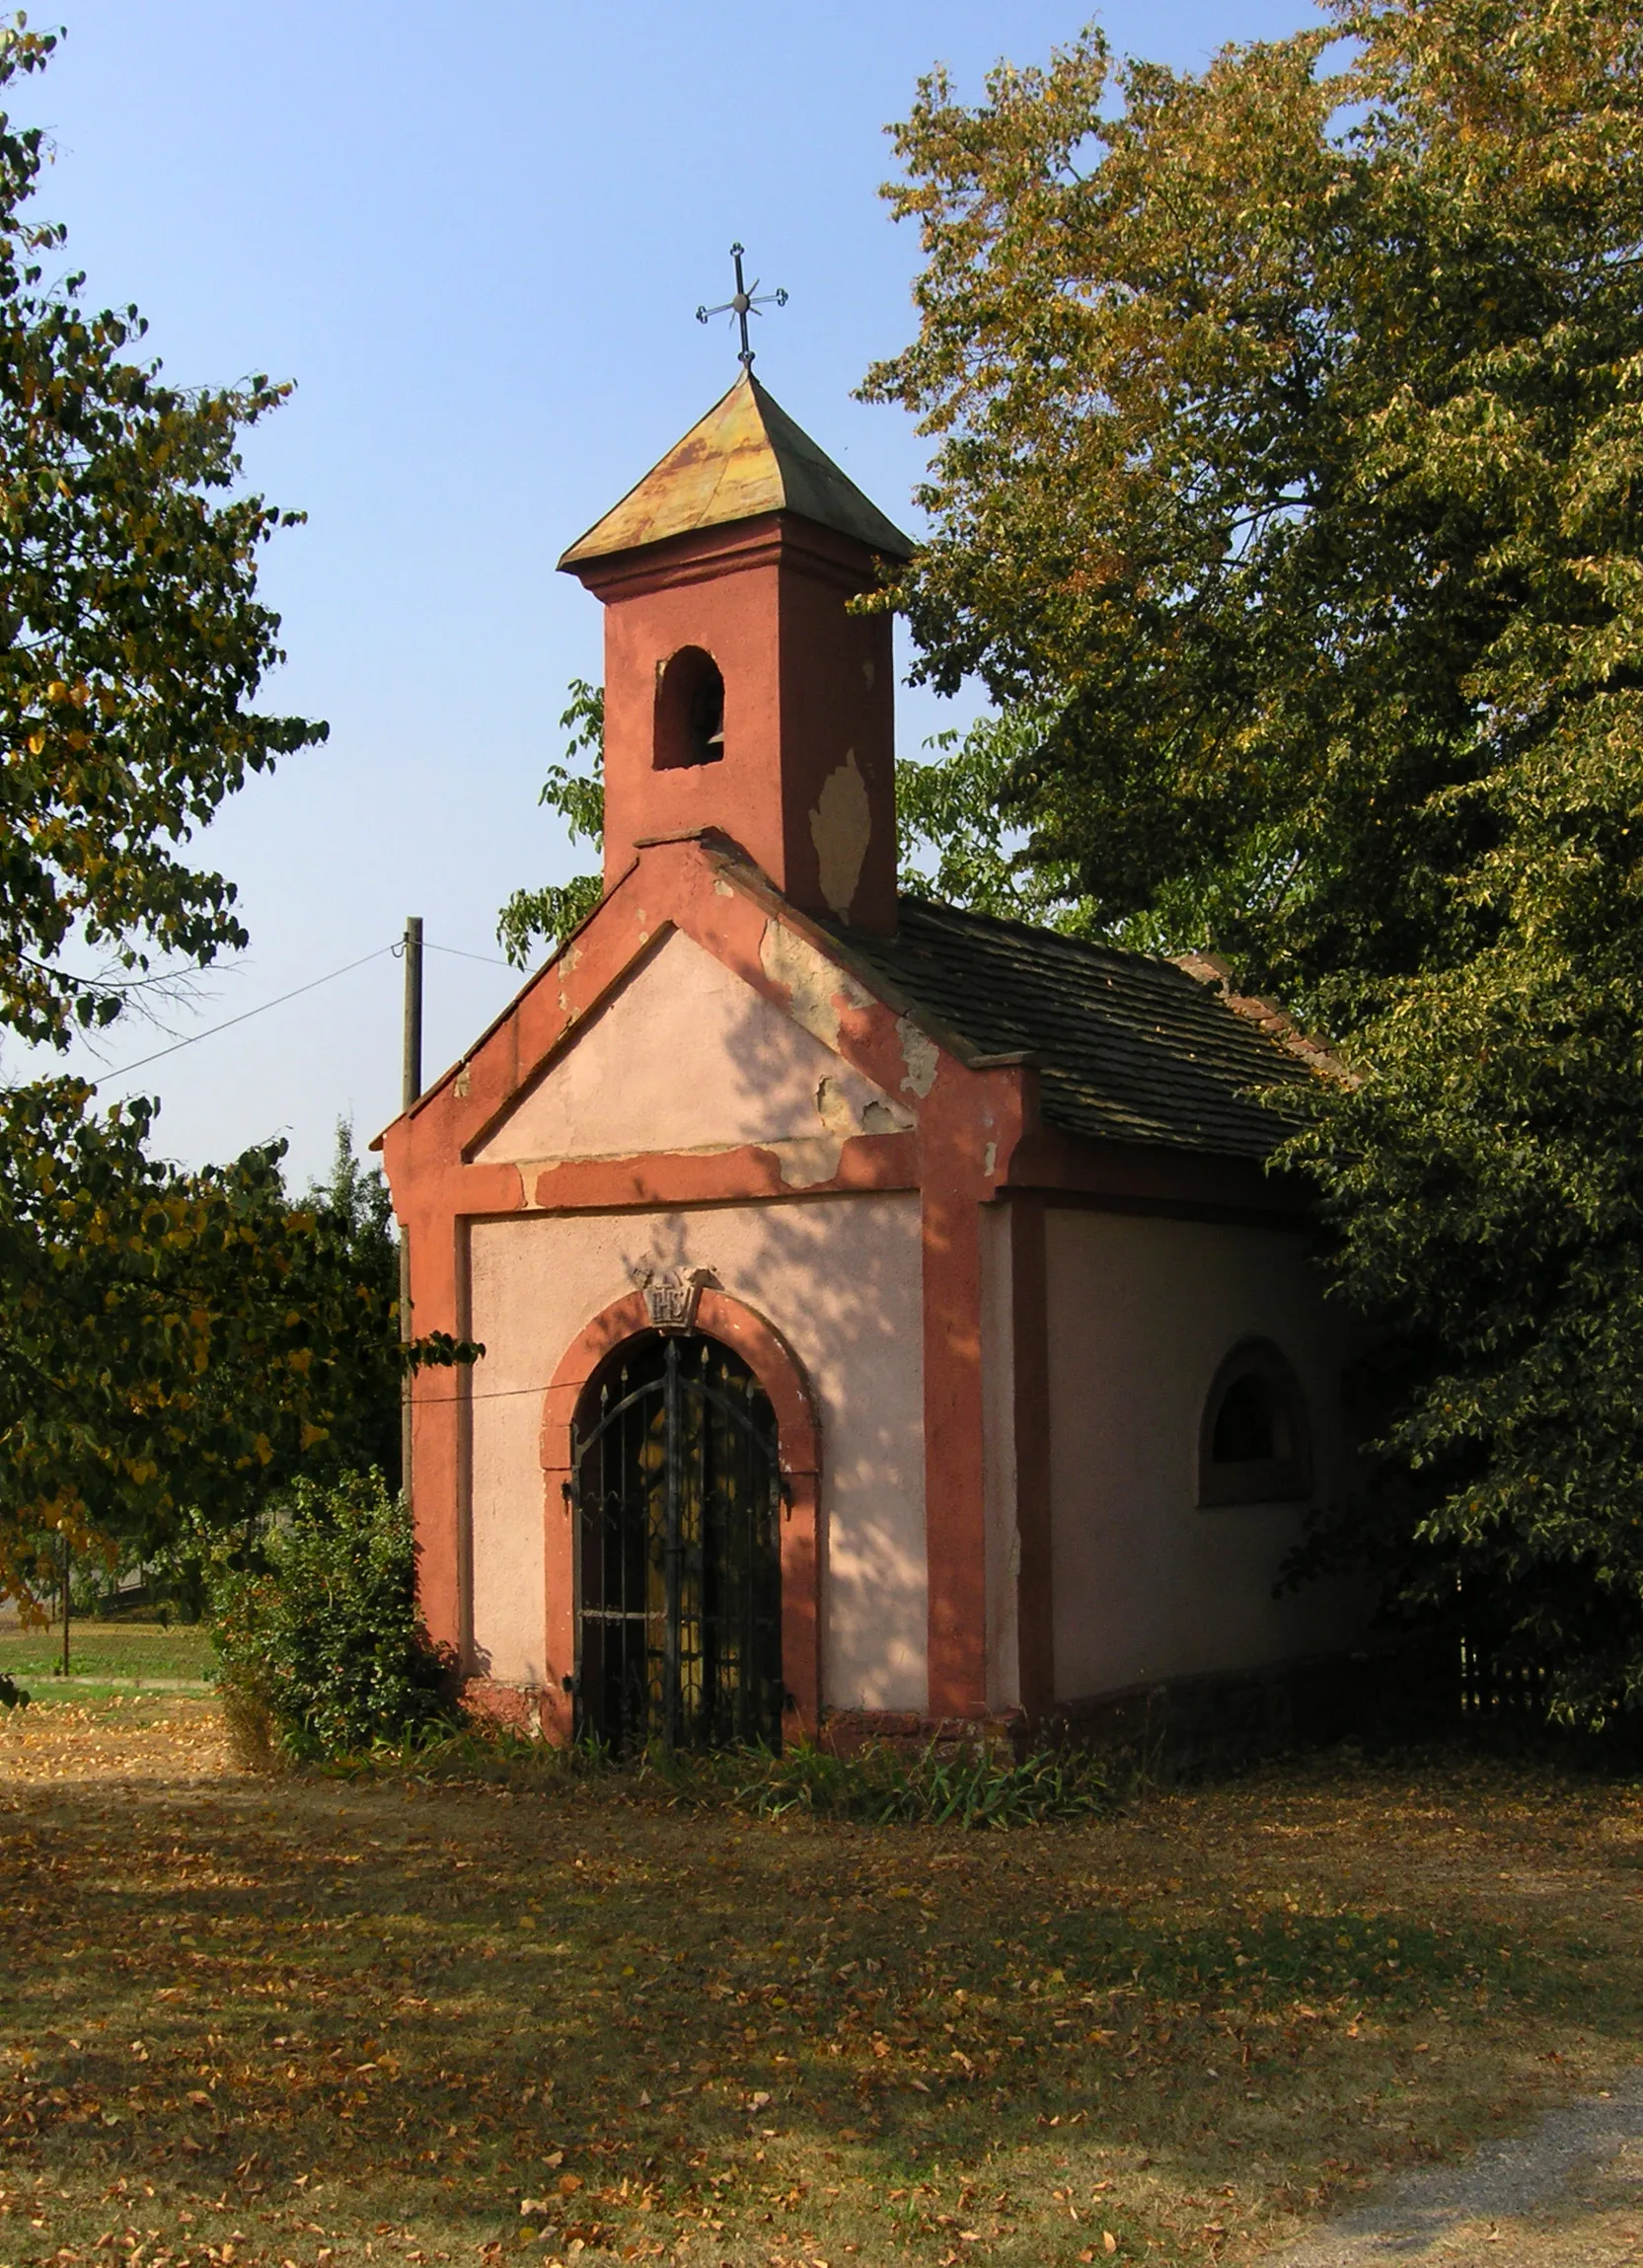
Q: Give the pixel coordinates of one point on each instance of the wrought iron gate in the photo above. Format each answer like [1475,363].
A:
[677,1500]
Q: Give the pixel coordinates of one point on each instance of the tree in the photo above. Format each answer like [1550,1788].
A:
[1289,463]
[178,1347]
[575,790]
[353,1251]
[131,637]
[168,1341]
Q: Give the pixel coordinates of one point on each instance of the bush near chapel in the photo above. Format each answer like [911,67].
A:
[322,1651]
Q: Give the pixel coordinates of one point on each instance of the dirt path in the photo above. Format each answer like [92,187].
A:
[1569,2194]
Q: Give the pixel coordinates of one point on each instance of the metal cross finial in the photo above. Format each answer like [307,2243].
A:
[745,303]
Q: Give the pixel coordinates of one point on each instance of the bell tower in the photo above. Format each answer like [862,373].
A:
[740,692]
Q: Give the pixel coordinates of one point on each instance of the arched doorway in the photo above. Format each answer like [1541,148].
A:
[676,1493]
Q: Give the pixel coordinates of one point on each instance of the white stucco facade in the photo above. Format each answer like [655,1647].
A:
[1149,1586]
[839,1278]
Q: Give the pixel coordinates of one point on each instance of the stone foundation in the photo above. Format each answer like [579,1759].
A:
[516,1708]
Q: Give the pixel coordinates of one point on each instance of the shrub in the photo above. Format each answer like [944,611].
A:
[322,1651]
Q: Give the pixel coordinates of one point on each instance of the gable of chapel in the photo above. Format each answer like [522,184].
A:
[686,1056]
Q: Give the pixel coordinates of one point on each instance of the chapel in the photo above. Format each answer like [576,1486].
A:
[889,1321]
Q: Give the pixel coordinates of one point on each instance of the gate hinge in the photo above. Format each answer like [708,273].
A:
[571,1684]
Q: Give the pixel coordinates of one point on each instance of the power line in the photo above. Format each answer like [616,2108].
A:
[210,1032]
[195,1038]
[484,1394]
[455,953]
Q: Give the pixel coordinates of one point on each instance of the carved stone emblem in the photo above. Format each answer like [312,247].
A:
[671,1297]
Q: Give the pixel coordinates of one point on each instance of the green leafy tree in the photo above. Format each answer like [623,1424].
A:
[168,1341]
[175,1344]
[353,1248]
[131,637]
[1290,461]
[957,840]
[575,790]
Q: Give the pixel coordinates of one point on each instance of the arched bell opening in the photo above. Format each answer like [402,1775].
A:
[690,711]
[676,1493]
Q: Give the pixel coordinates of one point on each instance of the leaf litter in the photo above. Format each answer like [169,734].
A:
[310,2022]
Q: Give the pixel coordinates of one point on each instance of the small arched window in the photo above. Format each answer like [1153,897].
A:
[690,711]
[1254,1446]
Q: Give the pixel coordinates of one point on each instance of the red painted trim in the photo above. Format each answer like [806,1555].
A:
[435,1432]
[866,1162]
[967,1121]
[1150,1177]
[955,1523]
[777,1368]
[1029,1324]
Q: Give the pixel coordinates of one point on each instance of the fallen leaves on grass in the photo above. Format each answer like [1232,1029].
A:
[254,2022]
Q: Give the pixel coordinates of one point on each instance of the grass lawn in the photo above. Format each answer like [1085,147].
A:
[315,2023]
[115,1653]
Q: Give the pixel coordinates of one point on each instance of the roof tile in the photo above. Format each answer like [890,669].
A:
[1130,1049]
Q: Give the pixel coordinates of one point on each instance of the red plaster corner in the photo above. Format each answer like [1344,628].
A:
[777,1368]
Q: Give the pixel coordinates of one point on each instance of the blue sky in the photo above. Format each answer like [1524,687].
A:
[476,240]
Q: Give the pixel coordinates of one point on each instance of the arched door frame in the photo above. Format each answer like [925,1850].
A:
[774,1364]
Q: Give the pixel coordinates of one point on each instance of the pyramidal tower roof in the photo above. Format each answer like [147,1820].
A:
[745,458]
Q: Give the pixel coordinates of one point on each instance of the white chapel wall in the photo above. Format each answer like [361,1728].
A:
[686,1056]
[840,1279]
[1147,1585]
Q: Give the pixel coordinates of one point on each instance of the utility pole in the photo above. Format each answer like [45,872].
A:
[412,1087]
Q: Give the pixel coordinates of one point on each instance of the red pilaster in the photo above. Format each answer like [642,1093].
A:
[969,1124]
[1029,1325]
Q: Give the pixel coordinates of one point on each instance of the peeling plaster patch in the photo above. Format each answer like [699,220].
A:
[842,1117]
[808,1162]
[722,889]
[920,1055]
[814,986]
[990,1160]
[833,1107]
[462,1083]
[842,827]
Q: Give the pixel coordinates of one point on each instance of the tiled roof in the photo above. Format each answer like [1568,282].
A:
[745,458]
[1129,1048]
